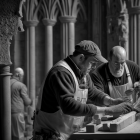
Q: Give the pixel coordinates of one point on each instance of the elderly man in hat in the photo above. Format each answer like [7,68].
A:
[62,102]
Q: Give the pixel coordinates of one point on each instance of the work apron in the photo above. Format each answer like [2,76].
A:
[64,124]
[119,91]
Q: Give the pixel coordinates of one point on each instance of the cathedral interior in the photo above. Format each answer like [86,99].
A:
[35,34]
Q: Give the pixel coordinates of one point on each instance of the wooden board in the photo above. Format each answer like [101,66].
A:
[123,121]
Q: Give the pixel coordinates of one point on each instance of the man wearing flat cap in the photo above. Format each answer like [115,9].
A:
[62,101]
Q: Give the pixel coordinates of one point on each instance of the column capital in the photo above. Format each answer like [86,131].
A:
[47,22]
[134,10]
[5,70]
[31,23]
[67,19]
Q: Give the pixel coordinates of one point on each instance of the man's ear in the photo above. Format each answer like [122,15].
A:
[17,74]
[81,57]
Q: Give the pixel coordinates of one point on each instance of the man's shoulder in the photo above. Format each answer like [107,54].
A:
[18,83]
[57,70]
[101,68]
[131,63]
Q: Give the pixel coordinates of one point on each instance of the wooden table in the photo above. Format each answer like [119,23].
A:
[130,132]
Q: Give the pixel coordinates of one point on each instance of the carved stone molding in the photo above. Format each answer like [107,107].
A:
[72,8]
[133,6]
[67,19]
[50,9]
[48,22]
[32,23]
[31,9]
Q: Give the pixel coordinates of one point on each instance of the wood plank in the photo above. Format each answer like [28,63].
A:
[122,122]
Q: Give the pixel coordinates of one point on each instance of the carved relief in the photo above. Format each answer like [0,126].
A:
[9,23]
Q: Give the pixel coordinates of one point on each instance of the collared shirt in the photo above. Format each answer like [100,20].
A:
[59,89]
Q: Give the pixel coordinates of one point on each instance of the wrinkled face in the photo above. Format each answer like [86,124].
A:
[116,65]
[88,64]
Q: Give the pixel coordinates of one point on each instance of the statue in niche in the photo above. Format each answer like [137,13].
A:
[118,23]
[122,31]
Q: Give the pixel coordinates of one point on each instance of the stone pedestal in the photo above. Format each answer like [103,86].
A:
[67,35]
[48,43]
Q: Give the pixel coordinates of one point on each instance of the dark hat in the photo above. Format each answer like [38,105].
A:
[89,48]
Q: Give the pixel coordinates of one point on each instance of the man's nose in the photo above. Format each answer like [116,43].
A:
[119,66]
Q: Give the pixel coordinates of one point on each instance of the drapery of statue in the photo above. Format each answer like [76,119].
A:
[10,23]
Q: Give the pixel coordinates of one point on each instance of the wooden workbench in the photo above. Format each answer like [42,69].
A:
[130,132]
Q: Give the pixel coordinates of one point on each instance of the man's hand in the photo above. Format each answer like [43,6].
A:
[119,109]
[120,100]
[137,105]
[136,84]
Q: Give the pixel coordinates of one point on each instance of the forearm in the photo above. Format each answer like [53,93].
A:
[108,101]
[101,110]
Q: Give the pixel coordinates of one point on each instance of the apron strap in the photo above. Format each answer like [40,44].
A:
[59,63]
[128,75]
[65,65]
[109,82]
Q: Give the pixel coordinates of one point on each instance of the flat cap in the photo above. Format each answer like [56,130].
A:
[89,48]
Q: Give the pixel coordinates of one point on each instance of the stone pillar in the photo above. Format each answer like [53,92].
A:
[31,58]
[134,31]
[67,35]
[48,43]
[5,105]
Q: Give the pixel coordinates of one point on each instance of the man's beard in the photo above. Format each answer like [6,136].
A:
[116,74]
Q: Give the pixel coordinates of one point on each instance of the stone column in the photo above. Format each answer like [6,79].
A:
[134,31]
[5,105]
[48,43]
[31,58]
[67,35]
